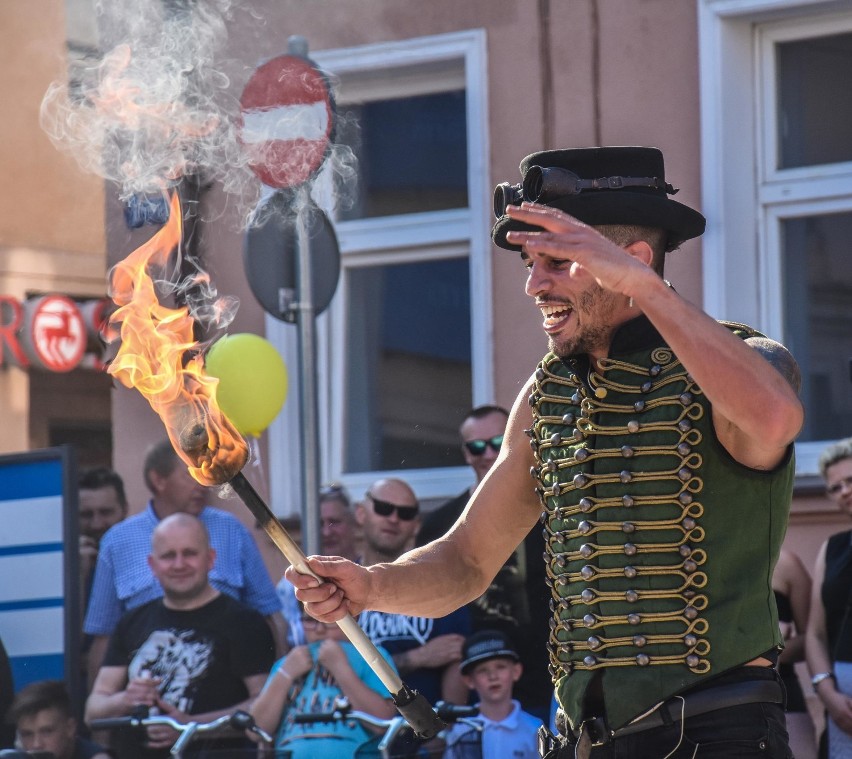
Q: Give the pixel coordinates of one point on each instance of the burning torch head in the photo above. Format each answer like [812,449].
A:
[213,453]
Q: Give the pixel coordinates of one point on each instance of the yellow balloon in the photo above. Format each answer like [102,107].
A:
[252,380]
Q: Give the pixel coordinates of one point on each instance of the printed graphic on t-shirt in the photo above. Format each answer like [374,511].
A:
[178,658]
[382,628]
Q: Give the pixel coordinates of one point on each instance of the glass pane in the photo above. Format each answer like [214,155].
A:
[815,101]
[412,155]
[818,319]
[408,359]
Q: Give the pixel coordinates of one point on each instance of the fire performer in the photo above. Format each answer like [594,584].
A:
[659,443]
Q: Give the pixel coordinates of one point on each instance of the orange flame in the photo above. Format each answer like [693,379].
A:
[160,357]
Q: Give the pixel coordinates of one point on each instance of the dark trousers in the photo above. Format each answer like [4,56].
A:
[745,730]
[751,730]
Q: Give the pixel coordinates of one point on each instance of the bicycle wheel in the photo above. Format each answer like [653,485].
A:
[467,745]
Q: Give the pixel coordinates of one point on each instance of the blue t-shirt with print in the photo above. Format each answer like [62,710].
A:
[400,632]
[316,692]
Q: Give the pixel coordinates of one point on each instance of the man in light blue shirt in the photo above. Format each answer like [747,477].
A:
[123,580]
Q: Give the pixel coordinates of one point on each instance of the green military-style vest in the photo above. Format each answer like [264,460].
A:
[659,546]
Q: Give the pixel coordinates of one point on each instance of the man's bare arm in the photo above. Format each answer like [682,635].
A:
[441,576]
[756,412]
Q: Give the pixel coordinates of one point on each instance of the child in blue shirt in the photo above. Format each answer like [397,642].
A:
[491,666]
[309,679]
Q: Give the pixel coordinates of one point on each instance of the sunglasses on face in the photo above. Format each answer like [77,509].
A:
[477,447]
[385,509]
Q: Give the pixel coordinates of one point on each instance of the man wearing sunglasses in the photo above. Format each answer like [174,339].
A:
[655,444]
[426,651]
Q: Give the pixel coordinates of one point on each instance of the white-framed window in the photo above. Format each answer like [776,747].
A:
[777,189]
[404,349]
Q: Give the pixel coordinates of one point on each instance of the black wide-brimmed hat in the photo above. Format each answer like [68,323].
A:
[619,185]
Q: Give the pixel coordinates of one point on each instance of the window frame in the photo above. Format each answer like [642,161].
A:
[745,198]
[425,64]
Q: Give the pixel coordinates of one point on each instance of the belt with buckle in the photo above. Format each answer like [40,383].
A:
[683,707]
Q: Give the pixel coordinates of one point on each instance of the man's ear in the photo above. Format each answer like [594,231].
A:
[359,514]
[642,251]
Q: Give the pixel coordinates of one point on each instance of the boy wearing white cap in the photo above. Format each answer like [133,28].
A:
[491,666]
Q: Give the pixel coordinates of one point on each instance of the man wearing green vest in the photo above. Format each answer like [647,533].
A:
[660,447]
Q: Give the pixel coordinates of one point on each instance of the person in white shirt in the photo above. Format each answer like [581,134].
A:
[491,667]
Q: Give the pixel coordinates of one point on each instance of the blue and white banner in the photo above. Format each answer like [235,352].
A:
[39,616]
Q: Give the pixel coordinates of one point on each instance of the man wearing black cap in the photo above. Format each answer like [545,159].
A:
[660,446]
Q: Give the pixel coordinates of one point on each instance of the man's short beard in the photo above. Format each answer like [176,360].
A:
[589,339]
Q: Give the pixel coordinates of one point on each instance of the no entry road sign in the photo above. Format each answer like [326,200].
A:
[288,121]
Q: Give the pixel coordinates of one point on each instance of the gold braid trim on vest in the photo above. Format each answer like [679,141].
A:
[616,473]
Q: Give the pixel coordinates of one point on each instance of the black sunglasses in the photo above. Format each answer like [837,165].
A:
[385,509]
[477,447]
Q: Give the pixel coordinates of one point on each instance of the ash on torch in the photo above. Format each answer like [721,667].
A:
[409,703]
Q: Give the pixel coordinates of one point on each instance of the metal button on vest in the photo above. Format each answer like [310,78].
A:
[684,425]
[555,490]
[529,432]
[629,549]
[561,581]
[692,661]
[633,426]
[589,620]
[600,392]
[643,660]
[631,596]
[626,451]
[688,523]
[581,454]
[685,498]
[588,572]
[684,473]
[690,640]
[576,398]
[590,661]
[684,449]
[552,466]
[686,398]
[568,419]
[534,445]
[646,387]
[555,439]
[584,527]
[586,504]
[586,550]
[655,370]
[579,434]
[628,527]
[690,612]
[639,406]
[539,374]
[532,399]
[580,480]
[627,500]
[594,642]
[625,476]
[634,619]
[588,595]
[689,567]
[684,551]
[639,641]
[533,472]
[630,572]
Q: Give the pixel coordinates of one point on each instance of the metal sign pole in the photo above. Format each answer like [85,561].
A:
[309,433]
